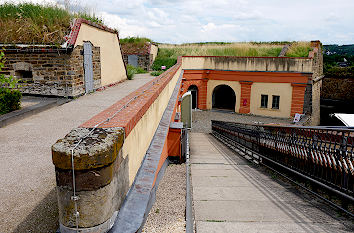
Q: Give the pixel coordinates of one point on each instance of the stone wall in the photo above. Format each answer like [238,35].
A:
[144,60]
[338,88]
[59,73]
[317,75]
[76,70]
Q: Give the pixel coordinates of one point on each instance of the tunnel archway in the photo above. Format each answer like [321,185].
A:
[223,98]
[194,91]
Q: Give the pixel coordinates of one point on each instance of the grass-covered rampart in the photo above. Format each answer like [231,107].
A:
[30,23]
[167,55]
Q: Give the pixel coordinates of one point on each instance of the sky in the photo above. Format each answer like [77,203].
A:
[181,21]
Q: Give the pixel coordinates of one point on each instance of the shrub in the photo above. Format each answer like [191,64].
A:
[168,62]
[140,70]
[157,72]
[131,70]
[9,98]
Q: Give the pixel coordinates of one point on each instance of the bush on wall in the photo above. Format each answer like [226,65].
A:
[10,99]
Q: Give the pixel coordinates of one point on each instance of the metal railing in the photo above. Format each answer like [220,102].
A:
[324,155]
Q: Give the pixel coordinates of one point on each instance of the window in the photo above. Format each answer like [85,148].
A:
[275,102]
[264,101]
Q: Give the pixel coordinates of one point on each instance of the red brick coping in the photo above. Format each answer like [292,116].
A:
[128,117]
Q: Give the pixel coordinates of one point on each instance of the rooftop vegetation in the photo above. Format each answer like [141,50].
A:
[299,49]
[30,23]
[134,44]
[218,49]
[168,53]
[135,40]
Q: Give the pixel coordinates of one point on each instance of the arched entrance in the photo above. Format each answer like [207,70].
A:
[224,98]
[194,90]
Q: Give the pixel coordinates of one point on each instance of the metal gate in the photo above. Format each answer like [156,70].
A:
[88,67]
[133,60]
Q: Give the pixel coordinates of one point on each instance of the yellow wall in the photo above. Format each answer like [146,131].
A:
[284,90]
[153,51]
[248,64]
[233,84]
[139,139]
[112,66]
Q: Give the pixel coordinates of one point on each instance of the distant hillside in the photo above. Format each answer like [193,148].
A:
[339,61]
[340,49]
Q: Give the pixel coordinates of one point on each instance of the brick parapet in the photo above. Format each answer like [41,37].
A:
[102,168]
[139,101]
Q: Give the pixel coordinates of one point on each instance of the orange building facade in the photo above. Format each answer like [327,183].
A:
[246,80]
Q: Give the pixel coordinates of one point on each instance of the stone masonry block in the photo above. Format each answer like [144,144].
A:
[97,150]
[101,177]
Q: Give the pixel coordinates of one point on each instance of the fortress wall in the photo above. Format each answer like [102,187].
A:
[110,154]
[276,64]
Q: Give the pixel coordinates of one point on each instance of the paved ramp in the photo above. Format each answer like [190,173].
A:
[28,201]
[232,195]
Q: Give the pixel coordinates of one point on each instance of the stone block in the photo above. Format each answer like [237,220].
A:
[97,150]
[101,177]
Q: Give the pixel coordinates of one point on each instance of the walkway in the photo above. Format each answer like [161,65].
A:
[232,195]
[28,200]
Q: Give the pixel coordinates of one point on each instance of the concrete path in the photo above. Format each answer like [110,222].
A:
[28,200]
[232,195]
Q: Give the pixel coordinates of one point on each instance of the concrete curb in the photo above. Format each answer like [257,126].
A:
[17,115]
[189,201]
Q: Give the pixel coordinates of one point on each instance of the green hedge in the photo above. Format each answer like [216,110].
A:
[9,100]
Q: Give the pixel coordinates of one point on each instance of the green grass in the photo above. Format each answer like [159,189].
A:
[135,40]
[37,24]
[132,70]
[157,72]
[168,53]
[299,49]
[234,49]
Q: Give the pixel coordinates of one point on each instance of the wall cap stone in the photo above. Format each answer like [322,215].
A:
[99,149]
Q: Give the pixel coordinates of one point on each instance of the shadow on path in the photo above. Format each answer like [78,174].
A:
[44,217]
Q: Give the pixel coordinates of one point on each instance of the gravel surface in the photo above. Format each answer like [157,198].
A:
[168,212]
[201,120]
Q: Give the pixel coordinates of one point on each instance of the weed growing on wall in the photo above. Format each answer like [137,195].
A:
[9,97]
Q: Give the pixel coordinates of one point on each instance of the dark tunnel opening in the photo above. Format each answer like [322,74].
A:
[194,91]
[223,98]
